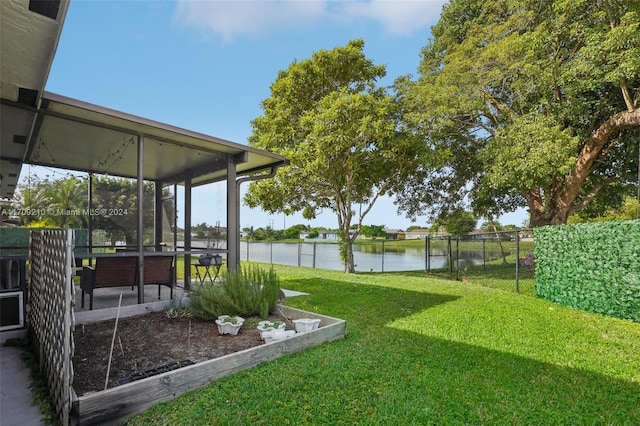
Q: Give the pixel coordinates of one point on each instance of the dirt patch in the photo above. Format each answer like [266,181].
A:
[148,343]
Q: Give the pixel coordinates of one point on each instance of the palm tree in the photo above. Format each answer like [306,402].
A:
[52,202]
[66,198]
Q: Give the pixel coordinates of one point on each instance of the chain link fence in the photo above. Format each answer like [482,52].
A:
[499,259]
[502,260]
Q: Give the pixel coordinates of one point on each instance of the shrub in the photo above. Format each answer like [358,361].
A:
[246,292]
[591,266]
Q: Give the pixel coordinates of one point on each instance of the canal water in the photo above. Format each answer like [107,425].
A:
[367,257]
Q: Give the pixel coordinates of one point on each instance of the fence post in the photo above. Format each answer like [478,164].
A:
[517,261]
[382,255]
[449,254]
[458,257]
[484,253]
[314,253]
[247,250]
[427,248]
[299,255]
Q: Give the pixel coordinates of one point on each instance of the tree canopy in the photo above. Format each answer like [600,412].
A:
[327,115]
[373,231]
[458,222]
[114,205]
[119,196]
[629,210]
[526,103]
[47,201]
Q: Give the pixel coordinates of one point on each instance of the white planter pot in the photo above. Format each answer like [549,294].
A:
[267,326]
[306,324]
[275,335]
[225,327]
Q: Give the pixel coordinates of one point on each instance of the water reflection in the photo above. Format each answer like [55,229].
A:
[367,257]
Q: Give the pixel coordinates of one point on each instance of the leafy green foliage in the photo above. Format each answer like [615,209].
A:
[50,198]
[119,195]
[491,225]
[526,103]
[629,210]
[594,267]
[245,292]
[373,231]
[532,147]
[313,234]
[114,205]
[458,222]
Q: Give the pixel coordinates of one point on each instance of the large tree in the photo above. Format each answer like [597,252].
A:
[526,103]
[458,222]
[115,200]
[328,116]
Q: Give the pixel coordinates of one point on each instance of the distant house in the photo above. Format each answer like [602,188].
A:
[322,236]
[416,234]
[476,235]
[392,234]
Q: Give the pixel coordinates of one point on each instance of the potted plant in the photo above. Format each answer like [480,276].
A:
[277,334]
[306,324]
[267,326]
[229,324]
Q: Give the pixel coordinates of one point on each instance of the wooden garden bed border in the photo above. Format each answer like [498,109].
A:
[114,405]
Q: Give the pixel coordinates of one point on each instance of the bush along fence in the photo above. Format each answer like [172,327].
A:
[505,258]
[594,267]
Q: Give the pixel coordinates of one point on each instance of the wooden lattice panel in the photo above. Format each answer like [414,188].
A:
[51,294]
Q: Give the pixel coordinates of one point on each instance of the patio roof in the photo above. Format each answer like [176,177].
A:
[75,135]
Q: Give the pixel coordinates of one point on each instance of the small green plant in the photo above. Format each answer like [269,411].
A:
[229,320]
[246,292]
[252,322]
[275,325]
[177,313]
[177,309]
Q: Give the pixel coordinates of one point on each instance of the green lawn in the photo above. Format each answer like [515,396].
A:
[422,351]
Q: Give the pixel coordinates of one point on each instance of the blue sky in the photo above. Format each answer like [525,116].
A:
[206,66]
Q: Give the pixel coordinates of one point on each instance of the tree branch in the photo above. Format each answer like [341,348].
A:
[587,199]
[496,103]
[626,94]
[594,145]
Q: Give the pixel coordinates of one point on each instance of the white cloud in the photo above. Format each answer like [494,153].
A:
[229,19]
[402,17]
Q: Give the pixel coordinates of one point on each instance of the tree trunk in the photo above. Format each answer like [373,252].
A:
[349,265]
[346,247]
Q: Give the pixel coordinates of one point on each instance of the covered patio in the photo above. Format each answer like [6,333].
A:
[51,130]
[47,129]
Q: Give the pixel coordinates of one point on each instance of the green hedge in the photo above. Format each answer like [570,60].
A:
[594,267]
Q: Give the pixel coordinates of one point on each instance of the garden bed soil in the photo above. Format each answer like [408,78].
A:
[150,342]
